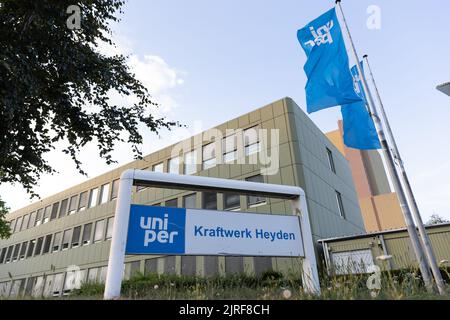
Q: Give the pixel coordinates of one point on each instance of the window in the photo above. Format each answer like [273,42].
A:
[3,254]
[209,156]
[72,205]
[18,224]
[87,234]
[92,275]
[66,239]
[115,189]
[12,225]
[23,251]
[8,254]
[57,284]
[31,248]
[57,242]
[55,208]
[32,220]
[351,262]
[140,188]
[251,141]
[93,198]
[15,255]
[254,200]
[231,201]
[26,219]
[190,162]
[82,204]
[99,230]
[158,167]
[189,201]
[229,148]
[38,246]
[174,165]
[109,228]
[102,274]
[331,161]
[340,204]
[209,201]
[47,244]
[173,203]
[104,193]
[76,236]
[47,212]
[63,208]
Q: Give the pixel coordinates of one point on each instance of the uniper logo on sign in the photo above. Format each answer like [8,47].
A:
[156,230]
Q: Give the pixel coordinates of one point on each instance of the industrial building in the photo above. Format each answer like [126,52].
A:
[390,250]
[67,236]
[379,205]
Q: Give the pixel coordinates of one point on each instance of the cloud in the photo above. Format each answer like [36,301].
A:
[159,78]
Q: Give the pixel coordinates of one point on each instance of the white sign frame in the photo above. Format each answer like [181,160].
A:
[132,177]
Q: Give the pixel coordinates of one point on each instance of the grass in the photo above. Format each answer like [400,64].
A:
[269,286]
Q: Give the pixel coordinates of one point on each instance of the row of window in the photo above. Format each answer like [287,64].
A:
[53,284]
[69,206]
[81,235]
[71,238]
[231,201]
[109,191]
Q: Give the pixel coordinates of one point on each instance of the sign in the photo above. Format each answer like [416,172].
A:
[164,230]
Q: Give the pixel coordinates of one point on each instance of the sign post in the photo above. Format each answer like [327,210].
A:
[142,229]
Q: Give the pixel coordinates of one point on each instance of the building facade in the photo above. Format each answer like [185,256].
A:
[379,206]
[354,254]
[66,237]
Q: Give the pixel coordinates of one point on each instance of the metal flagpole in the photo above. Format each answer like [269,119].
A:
[418,250]
[412,200]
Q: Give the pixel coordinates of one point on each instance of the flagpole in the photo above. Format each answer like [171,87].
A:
[412,200]
[418,250]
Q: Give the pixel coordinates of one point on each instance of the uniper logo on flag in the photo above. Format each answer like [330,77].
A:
[322,35]
[156,230]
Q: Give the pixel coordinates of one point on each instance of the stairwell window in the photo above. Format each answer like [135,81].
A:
[340,204]
[331,160]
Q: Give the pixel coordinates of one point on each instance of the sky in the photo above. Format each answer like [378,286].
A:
[208,61]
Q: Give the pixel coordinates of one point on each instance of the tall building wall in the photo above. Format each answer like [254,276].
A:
[304,160]
[379,206]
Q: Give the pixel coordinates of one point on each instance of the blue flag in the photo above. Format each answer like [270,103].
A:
[359,129]
[327,68]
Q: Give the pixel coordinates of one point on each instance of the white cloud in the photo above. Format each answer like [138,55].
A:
[160,79]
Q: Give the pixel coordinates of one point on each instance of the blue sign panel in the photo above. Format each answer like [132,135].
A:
[156,230]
